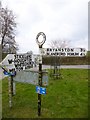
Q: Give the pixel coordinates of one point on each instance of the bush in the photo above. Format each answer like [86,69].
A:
[51,60]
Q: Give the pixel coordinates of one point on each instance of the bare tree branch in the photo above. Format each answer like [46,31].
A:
[7,28]
[59,43]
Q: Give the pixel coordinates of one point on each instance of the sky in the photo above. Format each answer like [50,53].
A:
[58,19]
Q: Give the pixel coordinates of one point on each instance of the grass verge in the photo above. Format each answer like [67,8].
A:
[65,98]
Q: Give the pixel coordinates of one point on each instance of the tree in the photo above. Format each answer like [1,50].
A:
[59,43]
[56,60]
[7,30]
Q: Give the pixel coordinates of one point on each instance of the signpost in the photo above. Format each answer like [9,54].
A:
[74,52]
[40,44]
[23,61]
[39,77]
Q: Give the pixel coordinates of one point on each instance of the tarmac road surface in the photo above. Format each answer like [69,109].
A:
[70,66]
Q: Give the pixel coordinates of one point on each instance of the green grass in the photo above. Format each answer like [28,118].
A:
[65,98]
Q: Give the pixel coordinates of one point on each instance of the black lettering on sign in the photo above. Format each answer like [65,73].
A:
[76,53]
[22,60]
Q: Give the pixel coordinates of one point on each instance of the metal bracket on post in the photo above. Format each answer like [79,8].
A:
[40,44]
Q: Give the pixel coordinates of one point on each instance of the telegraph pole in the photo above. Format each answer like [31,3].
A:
[40,44]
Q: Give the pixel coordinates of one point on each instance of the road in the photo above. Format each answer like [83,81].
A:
[70,66]
[48,67]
